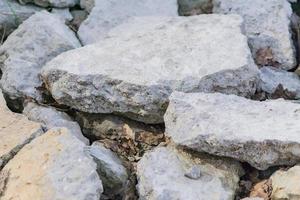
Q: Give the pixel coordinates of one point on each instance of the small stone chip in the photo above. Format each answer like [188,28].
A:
[193,173]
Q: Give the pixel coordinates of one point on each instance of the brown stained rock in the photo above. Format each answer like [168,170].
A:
[264,57]
[262,189]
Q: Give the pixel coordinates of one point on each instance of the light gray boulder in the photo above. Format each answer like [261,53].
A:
[110,169]
[50,118]
[164,174]
[134,73]
[273,80]
[52,166]
[27,49]
[267,25]
[194,7]
[12,14]
[52,3]
[87,5]
[263,134]
[108,14]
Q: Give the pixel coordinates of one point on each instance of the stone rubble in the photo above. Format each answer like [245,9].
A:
[263,134]
[51,118]
[267,26]
[161,175]
[27,49]
[139,83]
[15,131]
[52,166]
[107,14]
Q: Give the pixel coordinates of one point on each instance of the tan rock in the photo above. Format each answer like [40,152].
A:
[53,166]
[286,184]
[15,131]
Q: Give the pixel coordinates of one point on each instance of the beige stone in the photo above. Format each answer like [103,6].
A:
[53,166]
[286,184]
[15,131]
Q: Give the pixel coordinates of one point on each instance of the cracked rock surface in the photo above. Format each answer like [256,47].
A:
[154,60]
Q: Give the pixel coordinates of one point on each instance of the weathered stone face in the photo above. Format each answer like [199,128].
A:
[134,73]
[263,134]
[13,14]
[165,174]
[52,3]
[27,49]
[107,14]
[286,184]
[52,166]
[267,26]
[15,131]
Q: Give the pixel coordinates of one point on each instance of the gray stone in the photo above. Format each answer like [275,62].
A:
[194,7]
[50,118]
[267,25]
[273,79]
[161,176]
[27,49]
[15,132]
[64,14]
[108,14]
[12,14]
[87,5]
[52,166]
[78,17]
[52,3]
[156,55]
[263,134]
[110,169]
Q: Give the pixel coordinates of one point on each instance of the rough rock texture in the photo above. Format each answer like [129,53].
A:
[110,169]
[156,55]
[253,198]
[52,166]
[263,134]
[166,174]
[286,184]
[87,5]
[267,26]
[274,81]
[27,49]
[15,131]
[64,14]
[194,7]
[12,14]
[108,14]
[52,3]
[51,118]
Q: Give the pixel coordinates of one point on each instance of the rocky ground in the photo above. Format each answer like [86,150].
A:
[149,100]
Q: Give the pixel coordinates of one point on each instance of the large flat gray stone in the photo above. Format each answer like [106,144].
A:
[169,174]
[263,134]
[107,14]
[134,73]
[267,25]
[39,39]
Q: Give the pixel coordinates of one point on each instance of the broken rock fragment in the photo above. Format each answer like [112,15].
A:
[156,55]
[263,134]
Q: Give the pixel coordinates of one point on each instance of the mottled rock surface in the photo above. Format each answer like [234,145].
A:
[52,166]
[52,3]
[12,14]
[276,82]
[110,169]
[50,118]
[63,13]
[108,14]
[263,134]
[15,131]
[27,49]
[267,25]
[163,174]
[156,55]
[87,5]
[194,7]
[286,184]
